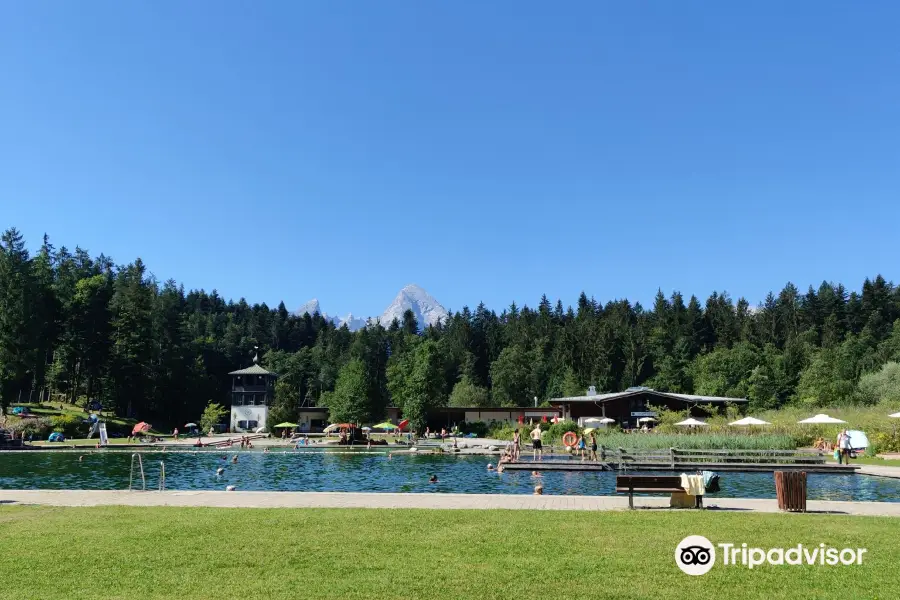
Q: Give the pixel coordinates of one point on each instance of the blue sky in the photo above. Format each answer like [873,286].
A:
[487,151]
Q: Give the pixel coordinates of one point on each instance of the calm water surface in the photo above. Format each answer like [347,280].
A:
[355,471]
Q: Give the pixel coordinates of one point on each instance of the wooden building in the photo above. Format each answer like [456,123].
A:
[634,403]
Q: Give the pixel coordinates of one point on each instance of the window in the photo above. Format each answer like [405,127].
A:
[252,424]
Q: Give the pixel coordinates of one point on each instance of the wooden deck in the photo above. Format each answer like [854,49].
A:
[687,467]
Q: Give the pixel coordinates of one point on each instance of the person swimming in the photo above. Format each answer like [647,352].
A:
[535,474]
[490,467]
[220,470]
[538,490]
[433,479]
[234,458]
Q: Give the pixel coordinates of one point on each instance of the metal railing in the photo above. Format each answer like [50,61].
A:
[131,472]
[162,476]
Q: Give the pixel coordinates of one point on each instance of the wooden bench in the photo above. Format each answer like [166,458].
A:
[651,484]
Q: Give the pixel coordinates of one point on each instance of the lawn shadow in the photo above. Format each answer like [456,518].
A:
[686,509]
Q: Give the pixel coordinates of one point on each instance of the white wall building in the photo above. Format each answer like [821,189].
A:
[252,392]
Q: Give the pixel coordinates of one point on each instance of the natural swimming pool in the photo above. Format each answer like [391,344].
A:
[360,471]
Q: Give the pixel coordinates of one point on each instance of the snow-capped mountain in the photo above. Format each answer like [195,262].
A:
[427,310]
[352,323]
[312,307]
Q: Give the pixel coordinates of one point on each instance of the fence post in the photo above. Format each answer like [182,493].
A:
[672,457]
[602,452]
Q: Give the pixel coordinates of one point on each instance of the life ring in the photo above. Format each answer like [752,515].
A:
[566,437]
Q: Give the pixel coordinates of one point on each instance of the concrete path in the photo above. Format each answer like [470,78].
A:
[879,471]
[428,501]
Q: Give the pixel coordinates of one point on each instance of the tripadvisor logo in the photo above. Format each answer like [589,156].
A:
[696,555]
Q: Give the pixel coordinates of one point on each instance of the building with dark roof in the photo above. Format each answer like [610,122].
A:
[635,403]
[252,393]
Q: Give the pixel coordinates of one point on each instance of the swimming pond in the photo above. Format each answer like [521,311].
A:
[360,471]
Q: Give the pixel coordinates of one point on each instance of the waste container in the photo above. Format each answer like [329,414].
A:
[790,489]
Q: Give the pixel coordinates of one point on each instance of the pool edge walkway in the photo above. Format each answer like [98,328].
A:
[238,499]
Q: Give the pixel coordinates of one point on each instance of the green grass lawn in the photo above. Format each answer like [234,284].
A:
[80,442]
[121,552]
[872,460]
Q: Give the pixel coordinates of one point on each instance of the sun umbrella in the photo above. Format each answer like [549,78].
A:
[858,440]
[402,425]
[384,425]
[337,426]
[141,428]
[594,421]
[646,419]
[367,429]
[690,422]
[189,425]
[285,424]
[821,419]
[896,415]
[749,421]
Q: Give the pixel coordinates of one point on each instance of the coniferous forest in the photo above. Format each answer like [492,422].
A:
[75,327]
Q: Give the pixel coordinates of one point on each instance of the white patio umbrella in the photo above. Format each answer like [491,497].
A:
[690,422]
[821,419]
[648,420]
[896,415]
[594,421]
[746,421]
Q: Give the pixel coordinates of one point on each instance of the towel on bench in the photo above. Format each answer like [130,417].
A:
[693,485]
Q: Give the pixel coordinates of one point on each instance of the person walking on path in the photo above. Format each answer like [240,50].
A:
[537,448]
[582,447]
[843,444]
[594,447]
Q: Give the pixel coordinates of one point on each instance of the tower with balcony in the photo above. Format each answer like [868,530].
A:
[252,393]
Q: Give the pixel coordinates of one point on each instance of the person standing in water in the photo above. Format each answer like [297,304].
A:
[516,444]
[537,448]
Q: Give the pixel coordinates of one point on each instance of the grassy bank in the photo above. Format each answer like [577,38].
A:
[120,552]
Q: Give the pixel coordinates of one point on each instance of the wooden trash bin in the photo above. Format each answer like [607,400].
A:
[790,489]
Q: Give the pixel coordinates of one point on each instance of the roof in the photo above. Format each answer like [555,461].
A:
[252,370]
[642,390]
[499,408]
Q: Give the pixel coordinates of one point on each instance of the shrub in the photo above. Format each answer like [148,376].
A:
[557,430]
[68,425]
[479,428]
[37,428]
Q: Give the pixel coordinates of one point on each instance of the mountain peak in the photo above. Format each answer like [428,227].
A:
[427,310]
[312,307]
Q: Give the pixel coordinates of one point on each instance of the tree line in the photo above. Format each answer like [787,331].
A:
[80,328]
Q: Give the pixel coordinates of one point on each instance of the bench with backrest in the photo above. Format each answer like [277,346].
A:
[650,484]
